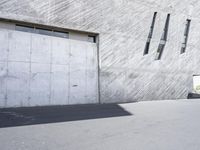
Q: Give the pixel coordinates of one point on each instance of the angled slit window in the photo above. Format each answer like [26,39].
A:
[146,50]
[186,34]
[163,39]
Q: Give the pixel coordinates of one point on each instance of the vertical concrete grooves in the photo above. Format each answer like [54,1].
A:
[50,83]
[69,74]
[146,50]
[30,73]
[98,69]
[6,79]
[163,39]
[86,72]
[186,34]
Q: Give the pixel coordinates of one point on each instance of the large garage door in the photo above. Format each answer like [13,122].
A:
[38,70]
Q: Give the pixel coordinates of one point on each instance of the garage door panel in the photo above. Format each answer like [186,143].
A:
[18,84]
[40,84]
[78,59]
[92,57]
[59,87]
[78,50]
[91,88]
[19,46]
[46,70]
[3,74]
[82,77]
[77,87]
[4,45]
[60,51]
[77,63]
[41,48]
[92,74]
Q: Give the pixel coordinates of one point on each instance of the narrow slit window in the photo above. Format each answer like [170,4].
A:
[146,50]
[43,31]
[61,34]
[163,39]
[186,34]
[24,28]
[56,32]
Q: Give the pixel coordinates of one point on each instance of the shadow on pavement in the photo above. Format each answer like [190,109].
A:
[11,117]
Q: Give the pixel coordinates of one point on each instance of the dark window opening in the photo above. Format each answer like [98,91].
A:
[24,28]
[43,31]
[186,34]
[61,34]
[163,39]
[92,38]
[146,50]
[37,30]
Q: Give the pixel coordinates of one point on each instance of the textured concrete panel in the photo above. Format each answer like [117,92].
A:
[77,72]
[40,84]
[78,54]
[77,86]
[60,50]
[41,48]
[19,46]
[92,86]
[112,87]
[18,84]
[91,73]
[91,56]
[45,70]
[83,73]
[3,74]
[60,85]
[4,45]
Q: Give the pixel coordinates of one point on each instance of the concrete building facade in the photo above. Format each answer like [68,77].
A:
[143,50]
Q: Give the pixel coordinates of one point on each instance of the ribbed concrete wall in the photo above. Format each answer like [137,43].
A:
[125,74]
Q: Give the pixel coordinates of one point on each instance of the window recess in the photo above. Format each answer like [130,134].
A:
[163,39]
[92,38]
[24,28]
[146,50]
[186,34]
[61,34]
[43,31]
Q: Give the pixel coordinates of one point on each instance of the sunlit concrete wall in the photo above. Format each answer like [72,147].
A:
[123,26]
[40,70]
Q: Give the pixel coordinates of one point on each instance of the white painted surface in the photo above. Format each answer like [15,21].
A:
[45,70]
